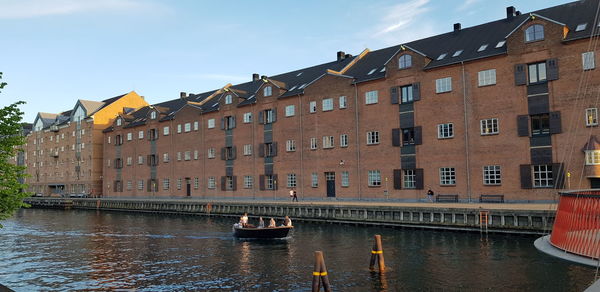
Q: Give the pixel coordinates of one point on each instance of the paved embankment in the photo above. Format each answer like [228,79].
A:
[511,218]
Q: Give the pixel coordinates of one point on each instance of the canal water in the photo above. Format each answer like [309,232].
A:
[43,250]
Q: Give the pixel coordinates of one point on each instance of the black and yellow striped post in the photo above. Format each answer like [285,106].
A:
[320,274]
[377,255]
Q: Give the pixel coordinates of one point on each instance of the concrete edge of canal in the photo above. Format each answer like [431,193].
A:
[459,217]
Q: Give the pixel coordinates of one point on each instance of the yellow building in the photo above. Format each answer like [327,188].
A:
[64,151]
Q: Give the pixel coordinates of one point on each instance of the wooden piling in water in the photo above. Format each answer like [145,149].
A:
[320,274]
[377,255]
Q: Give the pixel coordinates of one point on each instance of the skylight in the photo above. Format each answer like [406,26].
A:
[482,48]
[382,69]
[371,72]
[294,87]
[302,86]
[214,105]
[500,44]
[457,53]
[299,74]
[442,56]
[581,26]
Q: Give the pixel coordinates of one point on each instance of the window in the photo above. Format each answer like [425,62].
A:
[445,131]
[372,138]
[313,143]
[247,118]
[229,122]
[291,180]
[119,122]
[447,176]
[591,117]
[328,142]
[540,125]
[443,85]
[372,71]
[269,182]
[406,93]
[195,154]
[187,127]
[290,145]
[457,53]
[129,160]
[196,126]
[141,135]
[487,77]
[327,104]
[269,150]
[129,136]
[343,102]
[211,153]
[537,72]
[500,44]
[229,153]
[581,26]
[312,106]
[166,184]
[165,157]
[268,91]
[269,116]
[153,115]
[187,155]
[178,128]
[140,159]
[140,185]
[534,33]
[442,56]
[345,179]
[542,176]
[409,179]
[491,175]
[314,180]
[179,183]
[405,61]
[371,97]
[211,182]
[482,48]
[248,182]
[166,131]
[489,126]
[290,110]
[211,123]
[178,156]
[228,99]
[592,157]
[129,185]
[248,149]
[374,178]
[343,140]
[229,183]
[588,60]
[196,183]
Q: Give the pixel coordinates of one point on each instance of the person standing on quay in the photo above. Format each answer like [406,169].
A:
[430,195]
[294,195]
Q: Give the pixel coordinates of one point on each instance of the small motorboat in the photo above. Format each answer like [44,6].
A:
[265,232]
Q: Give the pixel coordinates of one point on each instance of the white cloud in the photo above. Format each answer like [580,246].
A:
[37,8]
[468,4]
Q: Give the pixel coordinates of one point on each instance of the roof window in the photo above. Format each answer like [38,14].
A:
[382,69]
[298,74]
[482,48]
[442,56]
[371,72]
[457,53]
[500,44]
[581,27]
[302,86]
[294,87]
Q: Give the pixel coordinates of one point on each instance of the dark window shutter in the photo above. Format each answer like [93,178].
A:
[396,137]
[555,123]
[261,182]
[274,149]
[394,95]
[223,151]
[156,135]
[222,123]
[233,152]
[274,114]
[261,150]
[552,69]
[115,187]
[149,135]
[261,117]
[275,182]
[416,91]
[418,138]
[149,185]
[397,179]
[419,178]
[232,122]
[542,155]
[234,178]
[523,125]
[148,160]
[222,183]
[525,171]
[520,74]
[558,174]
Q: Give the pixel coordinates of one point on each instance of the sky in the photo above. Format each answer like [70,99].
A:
[54,52]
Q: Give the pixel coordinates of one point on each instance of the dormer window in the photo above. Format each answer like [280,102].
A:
[592,157]
[228,99]
[268,91]
[153,115]
[482,48]
[405,61]
[119,122]
[534,33]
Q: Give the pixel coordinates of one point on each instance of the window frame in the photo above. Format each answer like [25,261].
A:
[534,33]
[327,104]
[291,180]
[492,175]
[486,77]
[591,117]
[405,61]
[445,131]
[447,176]
[290,146]
[537,66]
[373,138]
[371,97]
[374,178]
[492,124]
[343,102]
[542,176]
[344,140]
[409,179]
[443,85]
[290,110]
[588,60]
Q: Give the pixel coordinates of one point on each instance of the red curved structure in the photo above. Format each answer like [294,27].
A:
[577,225]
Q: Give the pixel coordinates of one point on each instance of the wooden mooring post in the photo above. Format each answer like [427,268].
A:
[320,274]
[377,255]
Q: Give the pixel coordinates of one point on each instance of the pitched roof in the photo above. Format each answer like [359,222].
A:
[592,144]
[91,106]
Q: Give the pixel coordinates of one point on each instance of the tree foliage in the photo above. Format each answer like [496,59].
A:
[11,143]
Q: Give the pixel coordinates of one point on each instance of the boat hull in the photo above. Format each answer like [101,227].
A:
[267,232]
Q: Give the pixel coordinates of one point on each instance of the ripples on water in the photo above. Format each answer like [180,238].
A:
[49,250]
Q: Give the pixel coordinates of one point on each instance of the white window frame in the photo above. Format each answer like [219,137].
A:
[248,182]
[141,135]
[140,185]
[228,99]
[312,107]
[269,182]
[291,180]
[532,33]
[195,154]
[290,145]
[343,102]
[591,117]
[447,176]
[152,115]
[211,153]
[129,136]
[443,85]
[405,61]
[196,183]
[344,140]
[187,155]
[588,60]
[487,77]
[212,183]
[166,157]
[247,149]
[327,104]
[313,143]
[445,131]
[345,175]
[314,180]
[166,183]
[210,123]
[489,126]
[195,125]
[178,128]
[328,142]
[140,159]
[542,176]
[409,179]
[290,110]
[187,127]
[373,138]
[268,91]
[374,178]
[166,131]
[592,157]
[247,118]
[492,175]
[371,97]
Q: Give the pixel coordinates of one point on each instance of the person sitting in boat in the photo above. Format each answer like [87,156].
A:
[287,221]
[244,220]
[261,223]
[272,223]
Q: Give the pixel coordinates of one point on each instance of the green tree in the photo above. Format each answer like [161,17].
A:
[11,143]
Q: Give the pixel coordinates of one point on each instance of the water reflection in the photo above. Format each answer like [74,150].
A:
[87,250]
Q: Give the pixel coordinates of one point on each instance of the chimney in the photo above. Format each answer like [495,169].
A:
[182,95]
[255,77]
[347,56]
[456,26]
[264,77]
[341,55]
[510,12]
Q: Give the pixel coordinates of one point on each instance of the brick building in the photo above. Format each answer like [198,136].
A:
[507,107]
[63,153]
